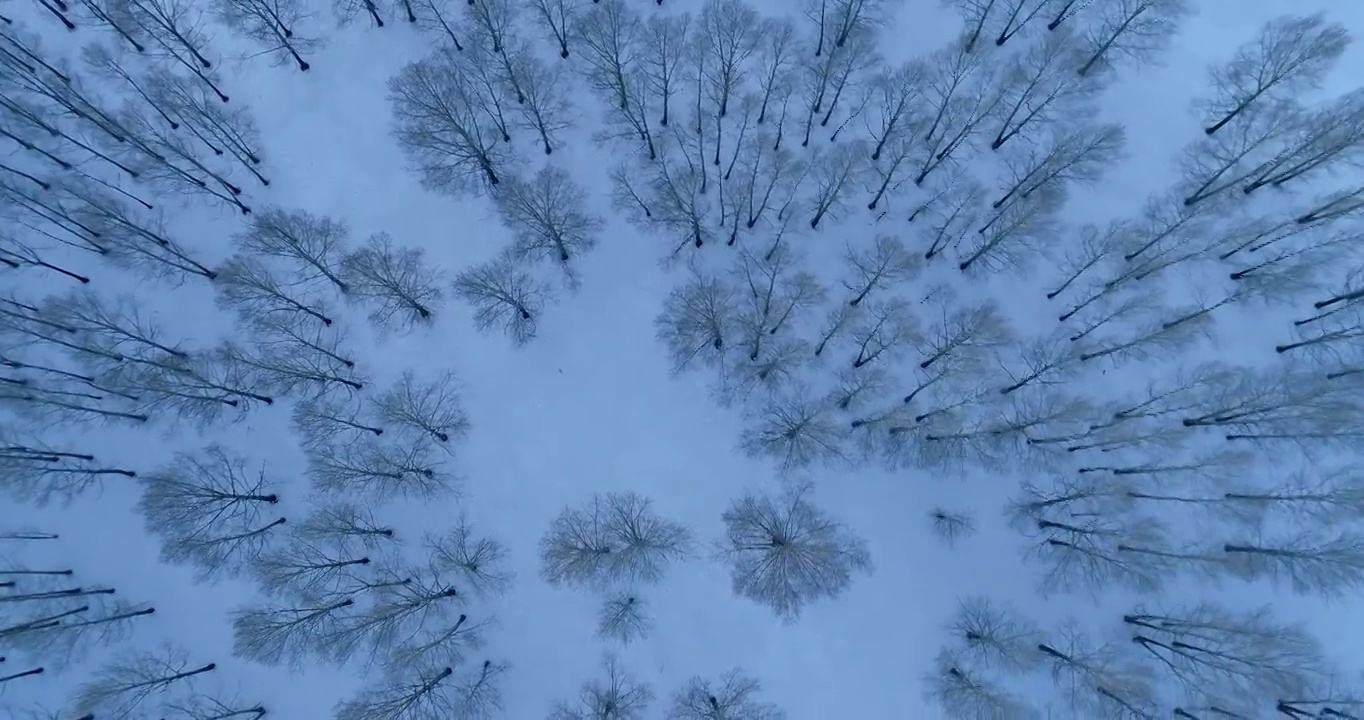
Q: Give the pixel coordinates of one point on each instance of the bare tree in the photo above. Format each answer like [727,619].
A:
[1329,136]
[549,217]
[1134,30]
[218,706]
[1015,236]
[959,335]
[432,408]
[775,291]
[882,265]
[346,11]
[344,524]
[1078,154]
[730,697]
[313,243]
[884,327]
[444,125]
[617,696]
[285,360]
[698,320]
[964,693]
[415,693]
[270,24]
[475,562]
[665,55]
[1231,160]
[1308,562]
[34,471]
[557,19]
[951,526]
[206,388]
[1319,497]
[404,611]
[786,553]
[175,31]
[1231,658]
[989,634]
[615,538]
[624,617]
[545,108]
[375,469]
[727,36]
[611,36]
[58,639]
[207,510]
[796,430]
[1042,86]
[307,570]
[1045,360]
[1278,406]
[399,282]
[1098,680]
[503,294]
[224,132]
[286,634]
[1291,54]
[247,285]
[121,689]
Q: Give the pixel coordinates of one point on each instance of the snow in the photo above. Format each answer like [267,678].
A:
[590,406]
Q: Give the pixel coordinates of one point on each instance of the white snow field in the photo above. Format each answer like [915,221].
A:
[1151,567]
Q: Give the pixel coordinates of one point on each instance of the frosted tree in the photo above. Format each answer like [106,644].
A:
[784,552]
[614,538]
[1132,30]
[951,526]
[312,243]
[964,693]
[615,696]
[400,283]
[475,562]
[1291,54]
[206,508]
[249,286]
[504,295]
[124,687]
[1234,659]
[730,697]
[374,469]
[443,123]
[698,321]
[270,24]
[624,617]
[796,430]
[549,217]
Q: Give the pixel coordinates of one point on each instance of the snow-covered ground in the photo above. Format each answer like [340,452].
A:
[591,403]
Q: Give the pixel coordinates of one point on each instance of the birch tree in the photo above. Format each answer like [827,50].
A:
[785,553]
[375,469]
[624,618]
[962,692]
[60,639]
[612,42]
[36,472]
[698,320]
[286,633]
[1096,679]
[795,430]
[416,693]
[431,407]
[1327,137]
[1041,86]
[959,335]
[476,563]
[1292,54]
[557,19]
[1310,561]
[207,509]
[249,286]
